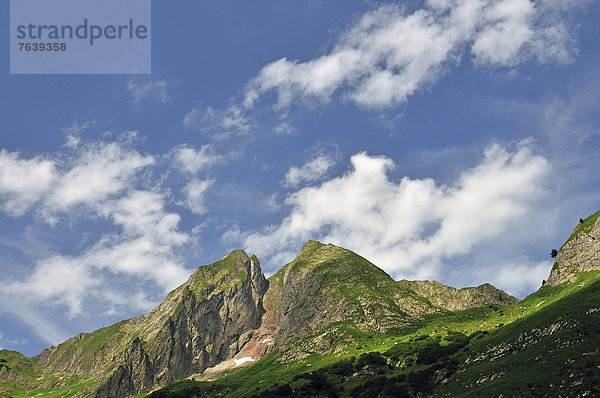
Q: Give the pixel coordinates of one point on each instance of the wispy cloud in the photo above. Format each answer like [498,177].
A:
[389,53]
[23,182]
[194,194]
[156,91]
[219,124]
[311,171]
[4,342]
[516,278]
[94,173]
[73,132]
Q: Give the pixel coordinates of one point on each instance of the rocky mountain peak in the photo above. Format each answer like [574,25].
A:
[580,253]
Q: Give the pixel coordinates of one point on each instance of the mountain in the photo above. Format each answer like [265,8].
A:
[331,323]
[201,323]
[328,294]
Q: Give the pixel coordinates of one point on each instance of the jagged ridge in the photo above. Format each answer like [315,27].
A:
[453,299]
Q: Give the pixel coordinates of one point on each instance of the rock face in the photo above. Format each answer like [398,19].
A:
[201,323]
[327,284]
[580,253]
[453,299]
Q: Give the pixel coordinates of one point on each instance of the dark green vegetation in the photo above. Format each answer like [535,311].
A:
[341,327]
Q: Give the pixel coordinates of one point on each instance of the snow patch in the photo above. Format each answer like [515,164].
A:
[240,361]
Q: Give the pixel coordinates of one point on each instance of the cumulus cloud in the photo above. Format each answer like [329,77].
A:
[144,248]
[59,279]
[408,228]
[100,171]
[313,170]
[142,213]
[389,53]
[24,181]
[153,90]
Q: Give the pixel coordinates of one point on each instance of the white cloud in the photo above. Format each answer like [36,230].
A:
[190,160]
[508,30]
[23,182]
[409,227]
[143,249]
[194,193]
[59,279]
[37,320]
[232,235]
[389,54]
[97,172]
[152,90]
[283,128]
[73,132]
[142,213]
[313,170]
[100,171]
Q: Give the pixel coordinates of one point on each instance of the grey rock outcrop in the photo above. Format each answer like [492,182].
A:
[453,299]
[580,253]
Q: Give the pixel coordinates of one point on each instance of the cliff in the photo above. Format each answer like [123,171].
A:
[580,253]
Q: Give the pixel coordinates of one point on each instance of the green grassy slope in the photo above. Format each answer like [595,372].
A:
[22,377]
[329,283]
[551,350]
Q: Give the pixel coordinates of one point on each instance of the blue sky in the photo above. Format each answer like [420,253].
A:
[448,140]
